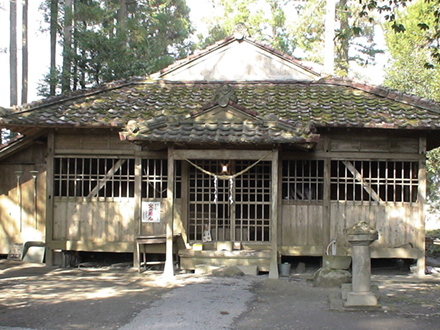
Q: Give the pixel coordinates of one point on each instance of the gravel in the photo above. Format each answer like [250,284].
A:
[212,304]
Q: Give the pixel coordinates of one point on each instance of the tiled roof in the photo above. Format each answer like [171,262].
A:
[326,103]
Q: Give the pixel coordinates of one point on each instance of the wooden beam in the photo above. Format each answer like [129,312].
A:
[352,155]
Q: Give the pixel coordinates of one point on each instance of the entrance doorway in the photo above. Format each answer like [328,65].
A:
[232,209]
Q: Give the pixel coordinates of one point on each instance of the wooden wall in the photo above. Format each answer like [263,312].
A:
[22,215]
[303,228]
[307,228]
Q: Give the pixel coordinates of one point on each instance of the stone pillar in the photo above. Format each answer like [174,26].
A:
[361,235]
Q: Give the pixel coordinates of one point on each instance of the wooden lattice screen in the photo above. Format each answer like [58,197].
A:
[247,218]
[379,181]
[94,177]
[303,180]
[111,178]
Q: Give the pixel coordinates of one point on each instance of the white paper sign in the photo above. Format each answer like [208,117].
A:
[150,211]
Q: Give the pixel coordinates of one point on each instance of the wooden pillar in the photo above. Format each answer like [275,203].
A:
[49,197]
[420,223]
[169,264]
[326,202]
[137,224]
[273,269]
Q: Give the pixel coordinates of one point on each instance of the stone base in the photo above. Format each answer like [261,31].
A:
[336,262]
[361,299]
[328,278]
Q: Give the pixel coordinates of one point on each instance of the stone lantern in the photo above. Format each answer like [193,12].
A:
[360,236]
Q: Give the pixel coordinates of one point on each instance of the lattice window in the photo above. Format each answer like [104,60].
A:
[381,181]
[111,177]
[303,180]
[154,178]
[94,177]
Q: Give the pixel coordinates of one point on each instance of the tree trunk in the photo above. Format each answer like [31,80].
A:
[343,58]
[329,50]
[25,63]
[53,45]
[122,15]
[13,53]
[67,46]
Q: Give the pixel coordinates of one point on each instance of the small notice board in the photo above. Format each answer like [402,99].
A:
[150,212]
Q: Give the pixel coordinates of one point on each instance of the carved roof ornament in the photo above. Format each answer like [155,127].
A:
[224,94]
[241,31]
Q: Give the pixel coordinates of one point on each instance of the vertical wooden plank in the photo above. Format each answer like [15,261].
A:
[169,264]
[111,219]
[86,222]
[58,225]
[99,225]
[73,220]
[301,220]
[273,270]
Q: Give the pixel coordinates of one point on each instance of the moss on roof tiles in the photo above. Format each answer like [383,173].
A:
[322,103]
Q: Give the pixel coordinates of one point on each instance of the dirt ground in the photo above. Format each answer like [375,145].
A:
[36,297]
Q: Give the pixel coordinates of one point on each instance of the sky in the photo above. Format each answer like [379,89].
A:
[39,43]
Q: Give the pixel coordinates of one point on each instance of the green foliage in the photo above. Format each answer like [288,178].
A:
[407,71]
[431,34]
[354,40]
[431,249]
[110,43]
[265,20]
[433,178]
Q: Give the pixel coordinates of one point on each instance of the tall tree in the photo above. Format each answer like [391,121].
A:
[24,56]
[13,75]
[408,51]
[115,39]
[53,8]
[354,42]
[388,10]
[265,20]
[67,45]
[407,73]
[304,30]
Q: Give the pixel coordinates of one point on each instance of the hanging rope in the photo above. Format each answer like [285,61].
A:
[231,189]
[225,177]
[215,189]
